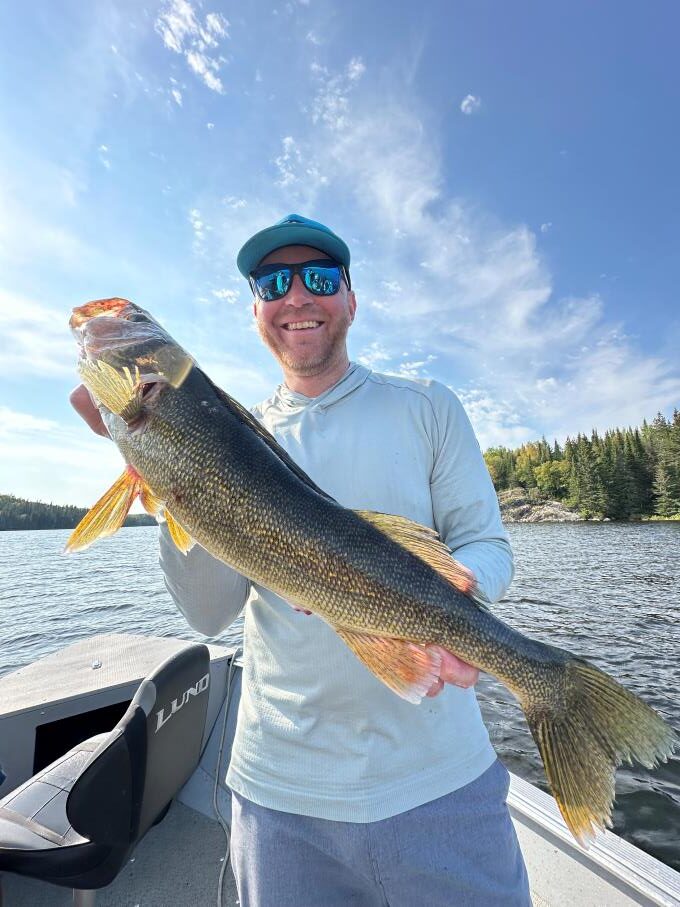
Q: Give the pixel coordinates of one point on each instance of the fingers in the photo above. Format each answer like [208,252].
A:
[83,404]
[435,689]
[453,670]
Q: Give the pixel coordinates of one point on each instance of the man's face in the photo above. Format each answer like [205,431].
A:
[308,350]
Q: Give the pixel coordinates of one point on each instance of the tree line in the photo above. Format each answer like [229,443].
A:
[625,474]
[16,513]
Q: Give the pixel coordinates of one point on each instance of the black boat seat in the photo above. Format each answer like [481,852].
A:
[76,822]
[34,815]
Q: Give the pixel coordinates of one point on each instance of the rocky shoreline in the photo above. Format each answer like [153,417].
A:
[517,507]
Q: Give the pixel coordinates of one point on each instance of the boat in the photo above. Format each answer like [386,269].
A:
[83,690]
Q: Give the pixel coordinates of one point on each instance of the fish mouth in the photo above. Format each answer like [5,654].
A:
[112,308]
[126,337]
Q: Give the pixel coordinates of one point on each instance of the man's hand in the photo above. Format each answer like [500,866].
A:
[453,670]
[84,405]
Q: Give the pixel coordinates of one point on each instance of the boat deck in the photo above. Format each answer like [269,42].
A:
[179,863]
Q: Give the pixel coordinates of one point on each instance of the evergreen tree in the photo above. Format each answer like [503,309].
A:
[17,513]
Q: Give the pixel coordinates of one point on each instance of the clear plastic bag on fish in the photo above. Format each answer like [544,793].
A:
[118,332]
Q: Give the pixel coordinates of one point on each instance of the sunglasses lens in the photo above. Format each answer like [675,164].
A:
[273,285]
[322,280]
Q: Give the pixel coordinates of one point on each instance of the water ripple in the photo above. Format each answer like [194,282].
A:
[609,592]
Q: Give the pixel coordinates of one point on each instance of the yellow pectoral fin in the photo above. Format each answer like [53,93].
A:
[180,536]
[108,514]
[425,544]
[150,503]
[406,667]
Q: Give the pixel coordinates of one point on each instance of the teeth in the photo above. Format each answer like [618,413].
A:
[299,325]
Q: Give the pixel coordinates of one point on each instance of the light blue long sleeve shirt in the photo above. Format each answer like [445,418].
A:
[317,733]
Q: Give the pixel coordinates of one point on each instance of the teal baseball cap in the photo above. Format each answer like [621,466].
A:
[292,230]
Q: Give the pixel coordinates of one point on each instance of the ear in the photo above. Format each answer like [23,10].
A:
[352,304]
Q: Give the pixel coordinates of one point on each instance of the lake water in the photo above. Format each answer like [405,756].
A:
[610,592]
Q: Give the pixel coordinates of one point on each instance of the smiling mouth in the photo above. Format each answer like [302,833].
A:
[302,325]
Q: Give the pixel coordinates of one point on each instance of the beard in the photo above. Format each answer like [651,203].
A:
[317,359]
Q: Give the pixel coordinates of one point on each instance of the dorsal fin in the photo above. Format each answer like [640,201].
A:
[242,413]
[425,544]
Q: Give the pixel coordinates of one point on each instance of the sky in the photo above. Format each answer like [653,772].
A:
[505,174]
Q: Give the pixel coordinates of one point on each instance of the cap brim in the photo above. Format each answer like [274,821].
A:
[291,234]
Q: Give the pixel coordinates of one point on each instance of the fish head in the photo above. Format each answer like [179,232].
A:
[126,357]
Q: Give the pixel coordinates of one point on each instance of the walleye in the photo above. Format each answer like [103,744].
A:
[386,585]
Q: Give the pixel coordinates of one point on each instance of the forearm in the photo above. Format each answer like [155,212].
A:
[209,594]
[491,562]
[465,505]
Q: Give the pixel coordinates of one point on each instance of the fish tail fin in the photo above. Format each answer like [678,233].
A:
[594,725]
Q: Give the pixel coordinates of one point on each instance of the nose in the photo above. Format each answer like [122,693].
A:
[298,294]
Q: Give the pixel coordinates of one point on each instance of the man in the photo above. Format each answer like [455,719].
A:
[343,793]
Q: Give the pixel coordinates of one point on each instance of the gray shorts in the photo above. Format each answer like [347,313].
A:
[458,850]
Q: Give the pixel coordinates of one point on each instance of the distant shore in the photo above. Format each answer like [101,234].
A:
[519,506]
[18,513]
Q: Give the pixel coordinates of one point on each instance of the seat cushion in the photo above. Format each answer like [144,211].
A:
[33,817]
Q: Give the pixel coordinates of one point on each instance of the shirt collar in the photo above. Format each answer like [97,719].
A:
[353,378]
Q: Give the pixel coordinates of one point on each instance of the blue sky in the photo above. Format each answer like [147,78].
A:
[505,174]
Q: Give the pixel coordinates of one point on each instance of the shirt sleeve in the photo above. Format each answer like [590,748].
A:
[464,502]
[209,594]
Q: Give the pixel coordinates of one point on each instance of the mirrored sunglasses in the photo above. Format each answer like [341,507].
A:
[322,278]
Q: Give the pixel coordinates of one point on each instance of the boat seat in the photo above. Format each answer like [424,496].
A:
[34,815]
[76,822]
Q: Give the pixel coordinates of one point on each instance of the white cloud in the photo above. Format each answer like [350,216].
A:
[355,69]
[34,339]
[103,151]
[414,369]
[232,202]
[216,25]
[497,422]
[483,303]
[470,104]
[313,38]
[331,103]
[199,229]
[240,379]
[176,23]
[180,28]
[204,67]
[34,451]
[226,295]
[546,227]
[287,162]
[374,355]
[210,125]
[12,422]
[177,96]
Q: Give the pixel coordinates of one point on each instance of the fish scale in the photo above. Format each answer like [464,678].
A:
[386,585]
